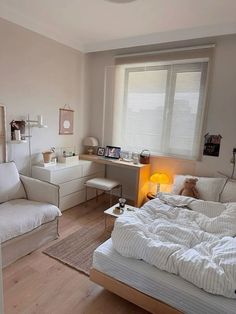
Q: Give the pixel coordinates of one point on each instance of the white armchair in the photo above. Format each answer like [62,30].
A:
[28,213]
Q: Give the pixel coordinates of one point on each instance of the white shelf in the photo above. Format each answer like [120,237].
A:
[17,142]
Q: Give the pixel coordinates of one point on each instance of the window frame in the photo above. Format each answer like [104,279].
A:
[173,68]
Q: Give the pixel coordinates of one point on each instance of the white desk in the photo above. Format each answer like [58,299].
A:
[142,174]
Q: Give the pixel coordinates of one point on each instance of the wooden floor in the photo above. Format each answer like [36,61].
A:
[39,284]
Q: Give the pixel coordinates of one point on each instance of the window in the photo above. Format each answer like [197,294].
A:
[160,107]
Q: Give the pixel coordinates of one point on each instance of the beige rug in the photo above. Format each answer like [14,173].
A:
[76,250]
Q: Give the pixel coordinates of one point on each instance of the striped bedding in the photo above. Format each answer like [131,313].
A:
[167,234]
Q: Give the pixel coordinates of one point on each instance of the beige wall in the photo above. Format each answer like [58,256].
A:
[38,76]
[221,117]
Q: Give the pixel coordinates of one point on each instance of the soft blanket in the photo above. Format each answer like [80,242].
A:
[200,249]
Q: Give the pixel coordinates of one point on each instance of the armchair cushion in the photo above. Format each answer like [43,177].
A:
[20,216]
[10,185]
[40,191]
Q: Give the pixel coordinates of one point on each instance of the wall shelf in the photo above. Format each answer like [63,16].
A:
[17,142]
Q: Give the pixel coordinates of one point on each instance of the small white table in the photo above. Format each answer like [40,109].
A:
[111,213]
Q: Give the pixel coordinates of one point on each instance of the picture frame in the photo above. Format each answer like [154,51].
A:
[66,121]
[101,151]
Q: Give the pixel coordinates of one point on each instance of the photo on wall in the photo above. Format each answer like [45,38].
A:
[212,145]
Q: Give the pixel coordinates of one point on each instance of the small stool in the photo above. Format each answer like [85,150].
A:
[103,184]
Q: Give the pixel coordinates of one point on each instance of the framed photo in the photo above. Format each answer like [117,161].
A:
[66,121]
[101,151]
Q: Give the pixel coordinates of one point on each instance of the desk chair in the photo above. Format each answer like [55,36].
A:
[103,184]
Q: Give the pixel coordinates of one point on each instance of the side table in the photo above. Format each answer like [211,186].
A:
[110,213]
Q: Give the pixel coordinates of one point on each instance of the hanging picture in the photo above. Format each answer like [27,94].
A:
[212,145]
[66,121]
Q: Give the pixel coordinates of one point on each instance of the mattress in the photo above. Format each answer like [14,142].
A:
[161,285]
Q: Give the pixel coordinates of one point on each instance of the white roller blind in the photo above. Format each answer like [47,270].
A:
[159,106]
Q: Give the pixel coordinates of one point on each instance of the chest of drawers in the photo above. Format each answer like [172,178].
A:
[71,179]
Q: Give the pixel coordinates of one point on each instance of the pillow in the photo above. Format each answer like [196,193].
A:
[208,208]
[228,194]
[10,185]
[209,188]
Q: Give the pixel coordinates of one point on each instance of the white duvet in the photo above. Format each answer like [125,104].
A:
[199,248]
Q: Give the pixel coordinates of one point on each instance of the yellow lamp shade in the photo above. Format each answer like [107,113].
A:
[160,178]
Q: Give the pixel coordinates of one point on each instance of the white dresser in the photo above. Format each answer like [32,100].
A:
[71,179]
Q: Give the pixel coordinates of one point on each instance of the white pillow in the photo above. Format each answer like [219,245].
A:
[228,194]
[209,188]
[10,185]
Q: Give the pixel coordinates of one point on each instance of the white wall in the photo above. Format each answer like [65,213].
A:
[221,117]
[39,76]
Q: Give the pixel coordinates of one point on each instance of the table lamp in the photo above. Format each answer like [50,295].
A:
[159,178]
[90,142]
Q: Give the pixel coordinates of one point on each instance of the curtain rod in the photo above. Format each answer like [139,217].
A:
[164,51]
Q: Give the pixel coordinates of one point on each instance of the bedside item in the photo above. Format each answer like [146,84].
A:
[118,211]
[159,178]
[189,188]
[91,142]
[151,196]
[112,152]
[122,202]
[144,157]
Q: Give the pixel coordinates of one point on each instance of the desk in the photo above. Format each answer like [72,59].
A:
[142,174]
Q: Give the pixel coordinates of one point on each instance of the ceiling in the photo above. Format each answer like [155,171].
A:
[95,25]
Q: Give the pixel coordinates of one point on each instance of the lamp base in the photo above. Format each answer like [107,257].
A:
[90,150]
[158,189]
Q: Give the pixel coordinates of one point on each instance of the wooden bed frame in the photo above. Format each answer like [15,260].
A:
[131,294]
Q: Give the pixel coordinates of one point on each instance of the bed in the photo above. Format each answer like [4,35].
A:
[123,270]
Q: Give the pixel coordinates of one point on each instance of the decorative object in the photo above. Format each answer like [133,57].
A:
[189,188]
[101,151]
[144,157]
[17,130]
[90,142]
[112,152]
[212,145]
[79,254]
[66,121]
[68,160]
[159,178]
[47,156]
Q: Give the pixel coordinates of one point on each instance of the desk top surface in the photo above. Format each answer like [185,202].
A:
[110,161]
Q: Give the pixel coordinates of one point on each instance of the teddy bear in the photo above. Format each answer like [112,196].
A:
[189,188]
